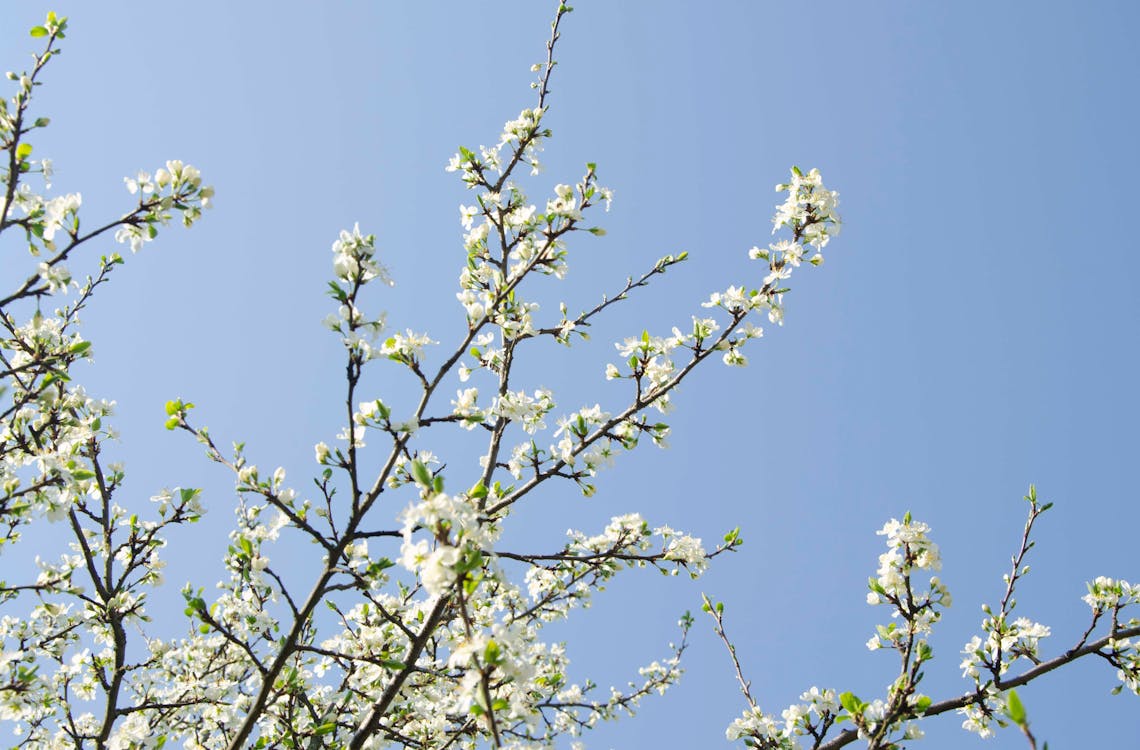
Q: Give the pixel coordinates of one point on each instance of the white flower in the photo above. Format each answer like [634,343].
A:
[467,215]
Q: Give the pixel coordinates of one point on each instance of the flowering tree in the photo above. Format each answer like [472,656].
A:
[420,628]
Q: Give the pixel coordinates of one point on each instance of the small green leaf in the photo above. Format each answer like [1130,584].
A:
[1014,709]
[491,652]
[421,474]
[378,566]
[23,151]
[851,703]
[38,31]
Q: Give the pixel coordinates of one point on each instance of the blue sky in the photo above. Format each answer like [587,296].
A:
[972,331]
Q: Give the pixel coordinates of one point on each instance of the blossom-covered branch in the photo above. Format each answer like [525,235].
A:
[916,606]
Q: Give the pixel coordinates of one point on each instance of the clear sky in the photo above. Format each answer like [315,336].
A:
[972,331]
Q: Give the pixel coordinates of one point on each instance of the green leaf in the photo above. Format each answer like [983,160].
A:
[491,652]
[38,31]
[851,703]
[421,474]
[23,151]
[325,728]
[378,566]
[1014,709]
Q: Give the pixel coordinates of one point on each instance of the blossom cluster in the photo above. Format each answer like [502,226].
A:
[909,549]
[1111,594]
[457,539]
[817,710]
[354,265]
[177,187]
